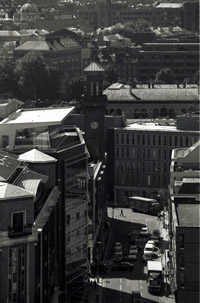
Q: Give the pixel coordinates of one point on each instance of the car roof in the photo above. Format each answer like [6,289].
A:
[149,245]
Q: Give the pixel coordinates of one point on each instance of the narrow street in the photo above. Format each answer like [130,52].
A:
[117,286]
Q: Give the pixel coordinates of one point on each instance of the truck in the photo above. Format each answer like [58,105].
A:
[155,277]
[144,205]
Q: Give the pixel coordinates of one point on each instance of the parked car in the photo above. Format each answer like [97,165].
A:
[123,266]
[139,243]
[118,257]
[150,249]
[151,257]
[155,239]
[134,249]
[131,256]
[102,269]
[150,242]
[144,231]
[156,233]
[136,297]
[118,245]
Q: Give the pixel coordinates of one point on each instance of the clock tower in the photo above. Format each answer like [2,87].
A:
[94,103]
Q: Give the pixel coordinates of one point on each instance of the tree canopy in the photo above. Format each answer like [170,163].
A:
[165,75]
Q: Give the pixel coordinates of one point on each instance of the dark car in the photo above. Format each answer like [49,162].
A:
[155,239]
[136,297]
[102,269]
[123,266]
[156,233]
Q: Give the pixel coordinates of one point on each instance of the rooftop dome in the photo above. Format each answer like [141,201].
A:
[29,8]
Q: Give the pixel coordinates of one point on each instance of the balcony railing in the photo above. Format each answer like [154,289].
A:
[26,231]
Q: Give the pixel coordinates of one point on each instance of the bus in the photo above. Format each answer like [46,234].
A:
[144,205]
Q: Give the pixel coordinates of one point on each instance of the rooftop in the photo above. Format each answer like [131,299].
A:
[8,166]
[120,92]
[170,5]
[9,191]
[154,126]
[43,115]
[94,67]
[188,215]
[36,156]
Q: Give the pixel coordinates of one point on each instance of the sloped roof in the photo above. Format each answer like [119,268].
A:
[9,191]
[34,45]
[8,166]
[94,67]
[31,180]
[36,156]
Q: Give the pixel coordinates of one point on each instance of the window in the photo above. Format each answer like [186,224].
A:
[182,260]
[77,216]
[122,152]
[117,139]
[154,140]
[133,139]
[148,138]
[159,140]
[170,140]
[127,139]
[5,141]
[18,221]
[117,152]
[175,140]
[181,141]
[182,279]
[122,138]
[181,241]
[127,152]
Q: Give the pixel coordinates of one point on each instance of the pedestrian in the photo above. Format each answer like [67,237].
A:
[122,213]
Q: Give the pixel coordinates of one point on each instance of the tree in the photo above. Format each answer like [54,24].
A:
[71,87]
[32,76]
[165,75]
[7,81]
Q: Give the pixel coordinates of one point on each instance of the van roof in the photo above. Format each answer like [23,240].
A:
[154,265]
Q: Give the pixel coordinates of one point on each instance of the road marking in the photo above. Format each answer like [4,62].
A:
[141,287]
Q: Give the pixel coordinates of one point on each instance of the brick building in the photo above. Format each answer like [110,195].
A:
[141,101]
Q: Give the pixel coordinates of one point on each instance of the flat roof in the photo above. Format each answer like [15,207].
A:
[43,115]
[154,126]
[122,93]
[188,215]
[170,5]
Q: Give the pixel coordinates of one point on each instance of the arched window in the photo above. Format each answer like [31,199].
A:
[163,112]
[171,113]
[144,113]
[183,111]
[137,113]
[155,113]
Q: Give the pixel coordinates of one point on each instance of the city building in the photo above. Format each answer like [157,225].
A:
[184,222]
[45,130]
[139,156]
[28,230]
[64,52]
[181,58]
[152,100]
[106,13]
[191,15]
